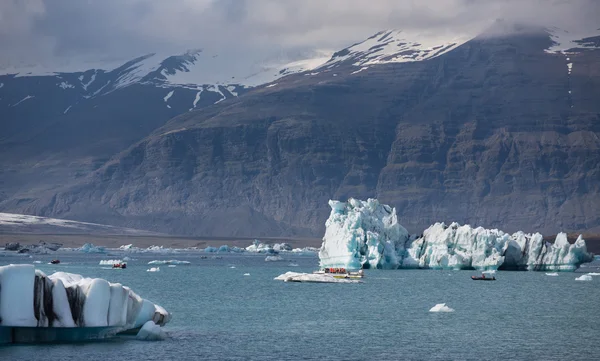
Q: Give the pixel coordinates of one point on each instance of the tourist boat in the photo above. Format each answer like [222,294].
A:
[483,278]
[340,272]
[55,261]
[120,265]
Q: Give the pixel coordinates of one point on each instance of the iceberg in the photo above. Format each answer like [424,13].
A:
[90,248]
[153,269]
[110,262]
[273,259]
[366,234]
[584,278]
[170,261]
[29,298]
[313,278]
[441,307]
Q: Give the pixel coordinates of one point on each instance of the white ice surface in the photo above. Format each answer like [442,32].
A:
[554,274]
[153,269]
[584,278]
[16,295]
[170,261]
[441,307]
[98,302]
[313,277]
[151,332]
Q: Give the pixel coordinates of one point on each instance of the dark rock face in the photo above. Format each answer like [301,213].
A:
[495,133]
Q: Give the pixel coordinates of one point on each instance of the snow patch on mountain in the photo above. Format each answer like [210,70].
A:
[566,41]
[66,85]
[85,85]
[22,100]
[169,94]
[394,46]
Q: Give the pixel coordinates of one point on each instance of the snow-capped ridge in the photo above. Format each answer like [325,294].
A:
[394,46]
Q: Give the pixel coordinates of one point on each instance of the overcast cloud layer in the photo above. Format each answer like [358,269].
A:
[44,32]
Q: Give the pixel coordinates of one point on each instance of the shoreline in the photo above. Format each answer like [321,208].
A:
[144,241]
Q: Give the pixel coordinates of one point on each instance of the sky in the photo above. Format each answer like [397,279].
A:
[54,31]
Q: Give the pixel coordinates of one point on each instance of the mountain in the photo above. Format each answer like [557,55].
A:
[501,130]
[58,125]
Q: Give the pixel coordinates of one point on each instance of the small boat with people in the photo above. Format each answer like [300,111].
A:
[340,272]
[55,261]
[120,265]
[483,277]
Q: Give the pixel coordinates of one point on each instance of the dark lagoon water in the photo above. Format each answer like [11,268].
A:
[220,314]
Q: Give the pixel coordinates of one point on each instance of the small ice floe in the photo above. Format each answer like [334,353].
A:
[151,332]
[554,274]
[293,265]
[110,262]
[246,274]
[593,274]
[153,269]
[314,278]
[170,261]
[273,259]
[441,307]
[584,278]
[231,266]
[171,266]
[37,261]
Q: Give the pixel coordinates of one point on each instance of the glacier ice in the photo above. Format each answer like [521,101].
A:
[313,277]
[29,298]
[170,261]
[151,332]
[90,248]
[441,307]
[366,234]
[273,259]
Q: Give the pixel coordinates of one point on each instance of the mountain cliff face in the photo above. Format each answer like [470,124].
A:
[498,132]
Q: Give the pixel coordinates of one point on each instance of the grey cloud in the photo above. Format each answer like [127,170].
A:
[39,31]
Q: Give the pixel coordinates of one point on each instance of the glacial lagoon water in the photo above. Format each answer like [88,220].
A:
[221,314]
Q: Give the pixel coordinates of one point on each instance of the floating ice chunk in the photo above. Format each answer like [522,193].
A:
[584,278]
[441,307]
[153,269]
[553,274]
[593,274]
[90,248]
[293,265]
[172,265]
[246,274]
[363,234]
[313,278]
[151,332]
[171,261]
[110,262]
[273,259]
[30,298]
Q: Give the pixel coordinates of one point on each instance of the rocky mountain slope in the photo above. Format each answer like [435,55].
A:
[499,131]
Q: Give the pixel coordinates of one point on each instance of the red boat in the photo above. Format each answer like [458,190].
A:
[483,278]
[120,265]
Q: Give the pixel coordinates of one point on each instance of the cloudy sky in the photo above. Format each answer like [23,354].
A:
[43,32]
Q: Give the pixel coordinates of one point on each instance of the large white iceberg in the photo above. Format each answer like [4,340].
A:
[29,298]
[363,234]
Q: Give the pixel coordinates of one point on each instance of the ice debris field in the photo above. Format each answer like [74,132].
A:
[366,234]
[29,298]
